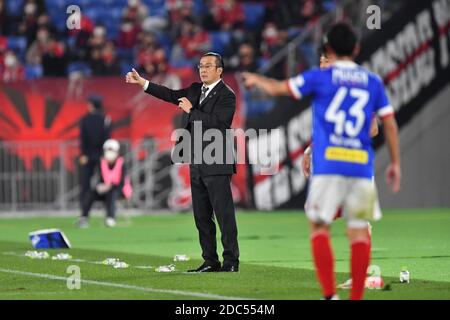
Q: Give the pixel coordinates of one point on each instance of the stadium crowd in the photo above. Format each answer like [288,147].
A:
[153,35]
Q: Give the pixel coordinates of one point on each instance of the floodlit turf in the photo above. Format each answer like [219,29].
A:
[275,258]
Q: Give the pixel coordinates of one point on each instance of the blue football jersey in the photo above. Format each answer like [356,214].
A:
[345,98]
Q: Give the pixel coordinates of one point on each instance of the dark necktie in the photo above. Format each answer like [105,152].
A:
[203,94]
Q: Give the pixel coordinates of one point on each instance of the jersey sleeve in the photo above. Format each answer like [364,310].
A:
[383,108]
[303,84]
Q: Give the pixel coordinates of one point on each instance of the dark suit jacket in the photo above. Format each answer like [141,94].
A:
[95,129]
[215,112]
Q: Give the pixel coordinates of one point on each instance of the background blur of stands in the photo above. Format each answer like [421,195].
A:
[47,71]
[57,187]
[118,34]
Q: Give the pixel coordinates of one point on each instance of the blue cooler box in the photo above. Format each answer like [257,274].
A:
[48,239]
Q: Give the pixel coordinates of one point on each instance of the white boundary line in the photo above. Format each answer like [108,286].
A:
[126,286]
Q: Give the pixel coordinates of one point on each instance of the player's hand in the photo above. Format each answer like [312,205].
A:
[134,77]
[83,160]
[374,128]
[250,79]
[306,165]
[393,177]
[185,104]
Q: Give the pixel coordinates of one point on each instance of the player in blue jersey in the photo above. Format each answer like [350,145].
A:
[325,62]
[345,96]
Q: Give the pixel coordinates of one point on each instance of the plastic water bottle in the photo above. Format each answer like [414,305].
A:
[37,254]
[181,257]
[110,261]
[169,268]
[404,275]
[62,256]
[120,265]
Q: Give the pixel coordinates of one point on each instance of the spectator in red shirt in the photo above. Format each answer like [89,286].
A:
[227,14]
[11,69]
[136,11]
[128,34]
[179,9]
[193,41]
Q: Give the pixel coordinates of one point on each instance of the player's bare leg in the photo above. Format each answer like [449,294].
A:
[323,259]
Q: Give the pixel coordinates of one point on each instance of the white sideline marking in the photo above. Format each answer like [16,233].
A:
[126,286]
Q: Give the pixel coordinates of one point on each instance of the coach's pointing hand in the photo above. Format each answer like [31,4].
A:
[185,104]
[134,77]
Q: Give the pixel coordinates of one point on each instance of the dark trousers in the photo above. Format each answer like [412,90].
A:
[86,173]
[212,195]
[108,198]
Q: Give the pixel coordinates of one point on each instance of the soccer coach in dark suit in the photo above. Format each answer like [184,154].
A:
[212,104]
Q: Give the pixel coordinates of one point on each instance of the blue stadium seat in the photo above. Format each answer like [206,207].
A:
[220,41]
[200,7]
[103,17]
[60,22]
[116,14]
[164,41]
[119,3]
[18,45]
[79,66]
[55,11]
[125,54]
[112,33]
[62,4]
[125,67]
[92,13]
[86,3]
[181,63]
[71,42]
[329,5]
[254,15]
[33,72]
[156,7]
[14,7]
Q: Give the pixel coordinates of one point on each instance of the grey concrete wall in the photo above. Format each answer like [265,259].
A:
[425,152]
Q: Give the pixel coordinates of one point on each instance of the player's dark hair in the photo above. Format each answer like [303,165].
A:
[342,39]
[322,50]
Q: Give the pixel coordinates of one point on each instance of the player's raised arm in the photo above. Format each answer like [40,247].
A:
[271,86]
[393,172]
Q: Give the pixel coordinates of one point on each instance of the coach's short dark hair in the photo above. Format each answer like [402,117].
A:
[342,39]
[219,60]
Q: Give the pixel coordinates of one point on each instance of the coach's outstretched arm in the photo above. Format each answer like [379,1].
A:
[271,86]
[154,89]
[393,171]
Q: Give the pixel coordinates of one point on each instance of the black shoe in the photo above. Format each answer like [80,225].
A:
[230,268]
[206,268]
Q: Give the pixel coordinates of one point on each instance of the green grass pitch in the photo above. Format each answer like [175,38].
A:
[275,258]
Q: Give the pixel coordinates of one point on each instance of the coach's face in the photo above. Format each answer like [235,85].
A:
[209,70]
